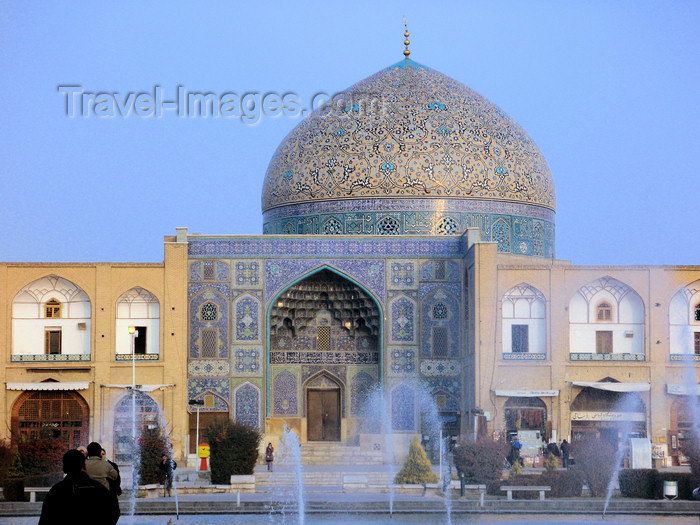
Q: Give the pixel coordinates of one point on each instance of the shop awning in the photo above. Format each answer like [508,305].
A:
[683,390]
[527,393]
[614,387]
[50,385]
[140,388]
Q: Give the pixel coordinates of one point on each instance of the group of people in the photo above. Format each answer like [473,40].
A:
[561,450]
[88,493]
[558,451]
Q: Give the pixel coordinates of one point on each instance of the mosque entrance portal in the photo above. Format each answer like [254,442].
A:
[324,334]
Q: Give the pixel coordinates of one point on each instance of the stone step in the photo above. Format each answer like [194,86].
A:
[338,454]
[315,478]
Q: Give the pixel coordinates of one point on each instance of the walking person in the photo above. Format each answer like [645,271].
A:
[77,499]
[167,466]
[564,453]
[269,456]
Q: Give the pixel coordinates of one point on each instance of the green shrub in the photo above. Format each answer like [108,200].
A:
[638,483]
[515,469]
[686,483]
[564,483]
[6,455]
[153,443]
[416,469]
[691,450]
[551,462]
[481,461]
[234,449]
[13,484]
[494,487]
[596,459]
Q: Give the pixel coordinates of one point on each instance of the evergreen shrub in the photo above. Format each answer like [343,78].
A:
[686,483]
[691,450]
[563,483]
[416,469]
[551,463]
[13,484]
[234,449]
[638,483]
[596,459]
[480,461]
[153,443]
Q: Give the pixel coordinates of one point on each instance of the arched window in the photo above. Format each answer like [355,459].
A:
[604,312]
[209,312]
[52,309]
[696,313]
[56,414]
[147,418]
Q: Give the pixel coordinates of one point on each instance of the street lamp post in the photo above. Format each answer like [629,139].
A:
[134,333]
[198,403]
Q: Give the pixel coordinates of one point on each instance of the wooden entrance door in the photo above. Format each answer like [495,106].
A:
[323,415]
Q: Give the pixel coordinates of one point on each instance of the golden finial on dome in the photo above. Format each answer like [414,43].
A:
[406,42]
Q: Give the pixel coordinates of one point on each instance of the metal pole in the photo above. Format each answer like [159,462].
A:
[197,440]
[442,474]
[133,387]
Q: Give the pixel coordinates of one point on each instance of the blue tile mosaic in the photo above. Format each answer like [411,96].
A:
[208,294]
[439,300]
[360,387]
[247,273]
[440,367]
[279,273]
[403,320]
[403,409]
[403,361]
[443,270]
[285,394]
[220,388]
[247,312]
[247,362]
[403,275]
[208,368]
[292,247]
[247,405]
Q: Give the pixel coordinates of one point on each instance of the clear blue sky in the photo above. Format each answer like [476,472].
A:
[608,90]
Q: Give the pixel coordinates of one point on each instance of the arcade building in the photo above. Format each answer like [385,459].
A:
[409,238]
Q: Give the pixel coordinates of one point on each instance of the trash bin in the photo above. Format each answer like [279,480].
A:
[670,489]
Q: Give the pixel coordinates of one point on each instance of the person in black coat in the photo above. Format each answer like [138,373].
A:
[167,467]
[564,453]
[77,499]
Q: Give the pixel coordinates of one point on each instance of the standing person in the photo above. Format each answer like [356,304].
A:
[269,456]
[115,486]
[77,499]
[564,453]
[167,466]
[515,451]
[553,449]
[98,469]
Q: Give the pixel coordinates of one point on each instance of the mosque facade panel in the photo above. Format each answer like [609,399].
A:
[408,249]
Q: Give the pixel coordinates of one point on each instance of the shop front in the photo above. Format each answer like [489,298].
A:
[685,413]
[609,411]
[525,417]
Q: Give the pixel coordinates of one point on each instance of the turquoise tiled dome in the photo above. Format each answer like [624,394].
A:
[406,140]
